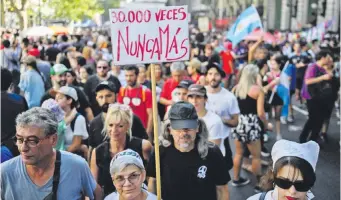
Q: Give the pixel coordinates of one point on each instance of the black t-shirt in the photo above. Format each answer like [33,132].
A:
[11,106]
[90,87]
[295,59]
[187,176]
[97,125]
[82,99]
[103,159]
[52,53]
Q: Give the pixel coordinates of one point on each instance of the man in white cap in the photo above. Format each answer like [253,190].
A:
[191,166]
[77,131]
[58,78]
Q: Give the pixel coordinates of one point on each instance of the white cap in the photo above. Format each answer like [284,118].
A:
[125,157]
[69,91]
[307,151]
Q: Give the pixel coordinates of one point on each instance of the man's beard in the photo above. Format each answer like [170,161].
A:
[215,85]
[132,83]
[105,107]
[62,83]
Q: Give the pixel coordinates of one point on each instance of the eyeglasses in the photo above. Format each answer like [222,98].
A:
[31,141]
[300,186]
[132,178]
[102,67]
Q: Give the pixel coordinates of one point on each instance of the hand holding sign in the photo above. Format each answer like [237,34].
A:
[149,35]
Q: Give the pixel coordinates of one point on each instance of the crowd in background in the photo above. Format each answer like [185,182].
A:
[103,109]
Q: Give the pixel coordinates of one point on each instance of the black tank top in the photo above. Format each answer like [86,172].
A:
[103,159]
[247,105]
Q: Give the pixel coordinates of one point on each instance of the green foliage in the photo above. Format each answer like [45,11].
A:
[75,9]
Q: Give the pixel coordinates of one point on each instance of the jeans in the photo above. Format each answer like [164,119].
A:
[317,109]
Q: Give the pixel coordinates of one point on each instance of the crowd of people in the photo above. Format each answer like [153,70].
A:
[75,125]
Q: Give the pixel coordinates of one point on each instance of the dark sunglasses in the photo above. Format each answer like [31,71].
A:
[300,186]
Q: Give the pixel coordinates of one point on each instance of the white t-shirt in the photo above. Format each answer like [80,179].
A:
[79,130]
[215,128]
[224,104]
[268,196]
[115,196]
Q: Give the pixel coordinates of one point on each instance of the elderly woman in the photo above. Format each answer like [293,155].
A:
[128,174]
[293,172]
[117,128]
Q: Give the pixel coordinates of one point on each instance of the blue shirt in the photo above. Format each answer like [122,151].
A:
[33,86]
[291,71]
[75,180]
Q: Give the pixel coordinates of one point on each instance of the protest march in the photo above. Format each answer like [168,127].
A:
[163,103]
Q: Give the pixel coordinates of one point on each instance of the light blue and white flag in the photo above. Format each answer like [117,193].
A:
[283,90]
[245,24]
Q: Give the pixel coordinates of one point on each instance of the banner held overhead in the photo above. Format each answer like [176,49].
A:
[149,35]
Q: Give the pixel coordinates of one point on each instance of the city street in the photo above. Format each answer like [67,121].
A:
[327,185]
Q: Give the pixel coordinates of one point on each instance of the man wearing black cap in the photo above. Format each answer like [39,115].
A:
[191,166]
[105,95]
[223,103]
[180,93]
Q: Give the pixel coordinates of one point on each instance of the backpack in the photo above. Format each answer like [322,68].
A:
[72,126]
[73,122]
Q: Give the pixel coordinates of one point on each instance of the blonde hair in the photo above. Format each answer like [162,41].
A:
[247,80]
[87,52]
[118,112]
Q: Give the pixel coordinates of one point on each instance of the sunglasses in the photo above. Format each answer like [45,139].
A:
[300,186]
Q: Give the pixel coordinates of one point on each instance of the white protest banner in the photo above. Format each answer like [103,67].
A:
[204,24]
[149,35]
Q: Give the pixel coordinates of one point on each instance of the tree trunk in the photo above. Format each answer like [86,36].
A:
[2,11]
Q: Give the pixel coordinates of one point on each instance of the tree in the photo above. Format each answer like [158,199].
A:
[18,10]
[212,4]
[75,9]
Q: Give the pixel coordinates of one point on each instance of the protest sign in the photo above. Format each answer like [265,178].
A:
[204,24]
[149,35]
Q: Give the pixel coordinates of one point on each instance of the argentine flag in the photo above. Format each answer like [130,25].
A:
[246,23]
[283,89]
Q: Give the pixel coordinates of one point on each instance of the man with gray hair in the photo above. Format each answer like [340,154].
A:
[38,170]
[177,71]
[191,166]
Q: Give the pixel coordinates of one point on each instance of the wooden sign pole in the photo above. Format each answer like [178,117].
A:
[156,134]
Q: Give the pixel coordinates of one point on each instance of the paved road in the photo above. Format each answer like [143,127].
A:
[327,186]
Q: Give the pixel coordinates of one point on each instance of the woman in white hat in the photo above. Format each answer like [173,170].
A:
[293,172]
[128,174]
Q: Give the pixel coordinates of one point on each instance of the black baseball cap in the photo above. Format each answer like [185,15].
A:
[185,84]
[216,66]
[183,115]
[106,85]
